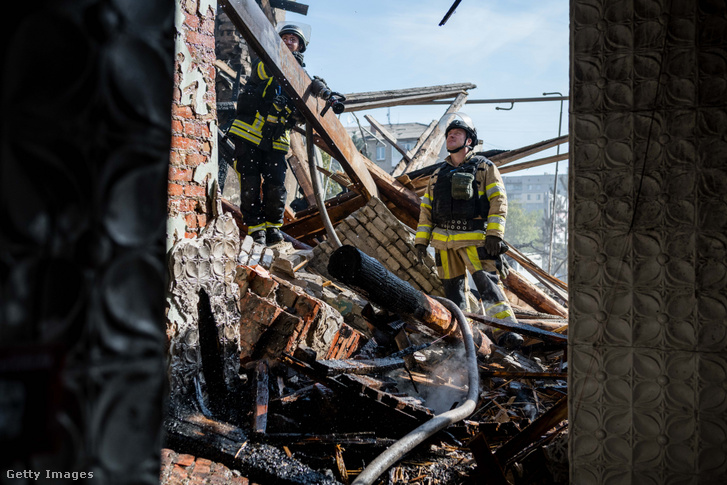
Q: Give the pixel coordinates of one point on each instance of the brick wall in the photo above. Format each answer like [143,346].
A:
[193,158]
[374,230]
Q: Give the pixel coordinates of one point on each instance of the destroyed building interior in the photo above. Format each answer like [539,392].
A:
[149,339]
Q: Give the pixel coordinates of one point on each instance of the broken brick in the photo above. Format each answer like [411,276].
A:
[345,343]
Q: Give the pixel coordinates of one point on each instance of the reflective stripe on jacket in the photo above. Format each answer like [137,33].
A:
[490,186]
[256,117]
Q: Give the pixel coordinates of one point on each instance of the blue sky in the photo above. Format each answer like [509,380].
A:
[509,49]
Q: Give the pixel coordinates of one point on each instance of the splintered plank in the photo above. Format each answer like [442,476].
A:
[363,366]
[534,431]
[523,329]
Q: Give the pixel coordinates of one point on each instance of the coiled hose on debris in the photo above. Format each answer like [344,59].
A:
[438,422]
[315,178]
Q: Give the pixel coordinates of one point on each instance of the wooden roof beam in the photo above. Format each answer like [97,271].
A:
[430,148]
[388,136]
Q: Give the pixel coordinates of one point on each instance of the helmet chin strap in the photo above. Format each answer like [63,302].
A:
[458,149]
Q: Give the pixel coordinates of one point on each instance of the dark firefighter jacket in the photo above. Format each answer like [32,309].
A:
[260,121]
[447,223]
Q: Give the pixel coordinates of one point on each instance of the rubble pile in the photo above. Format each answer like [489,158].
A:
[283,374]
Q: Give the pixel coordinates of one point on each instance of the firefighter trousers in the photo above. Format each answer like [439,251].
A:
[262,185]
[452,267]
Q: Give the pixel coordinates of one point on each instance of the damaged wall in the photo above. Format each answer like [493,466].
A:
[193,158]
[647,392]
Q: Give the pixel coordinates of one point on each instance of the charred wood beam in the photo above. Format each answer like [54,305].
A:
[229,445]
[352,390]
[488,468]
[364,273]
[359,270]
[520,328]
[533,296]
[534,431]
[262,38]
[262,395]
[363,366]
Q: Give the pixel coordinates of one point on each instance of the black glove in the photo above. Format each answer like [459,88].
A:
[493,245]
[279,102]
[421,252]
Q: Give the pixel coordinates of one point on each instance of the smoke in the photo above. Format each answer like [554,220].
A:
[445,367]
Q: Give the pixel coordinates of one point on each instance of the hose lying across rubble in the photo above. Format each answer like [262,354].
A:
[315,178]
[438,422]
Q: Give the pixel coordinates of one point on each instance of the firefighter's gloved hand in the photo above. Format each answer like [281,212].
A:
[493,245]
[421,252]
[279,102]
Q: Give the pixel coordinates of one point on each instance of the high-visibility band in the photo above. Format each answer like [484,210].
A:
[274,224]
[425,205]
[493,226]
[270,81]
[246,135]
[256,228]
[465,236]
[255,128]
[474,258]
[261,71]
[493,190]
[422,235]
[445,264]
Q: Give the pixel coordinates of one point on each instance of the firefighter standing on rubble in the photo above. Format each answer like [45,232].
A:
[463,215]
[264,117]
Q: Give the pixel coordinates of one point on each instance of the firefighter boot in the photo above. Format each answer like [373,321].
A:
[496,306]
[274,236]
[259,236]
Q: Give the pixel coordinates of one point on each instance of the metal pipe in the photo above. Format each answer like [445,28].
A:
[555,186]
[396,451]
[312,165]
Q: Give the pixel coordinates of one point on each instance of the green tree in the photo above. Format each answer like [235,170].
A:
[524,229]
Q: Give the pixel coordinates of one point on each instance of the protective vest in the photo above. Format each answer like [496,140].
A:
[258,119]
[456,201]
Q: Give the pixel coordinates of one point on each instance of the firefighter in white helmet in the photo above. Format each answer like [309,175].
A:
[462,216]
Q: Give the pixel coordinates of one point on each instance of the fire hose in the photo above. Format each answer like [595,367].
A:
[313,167]
[396,451]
